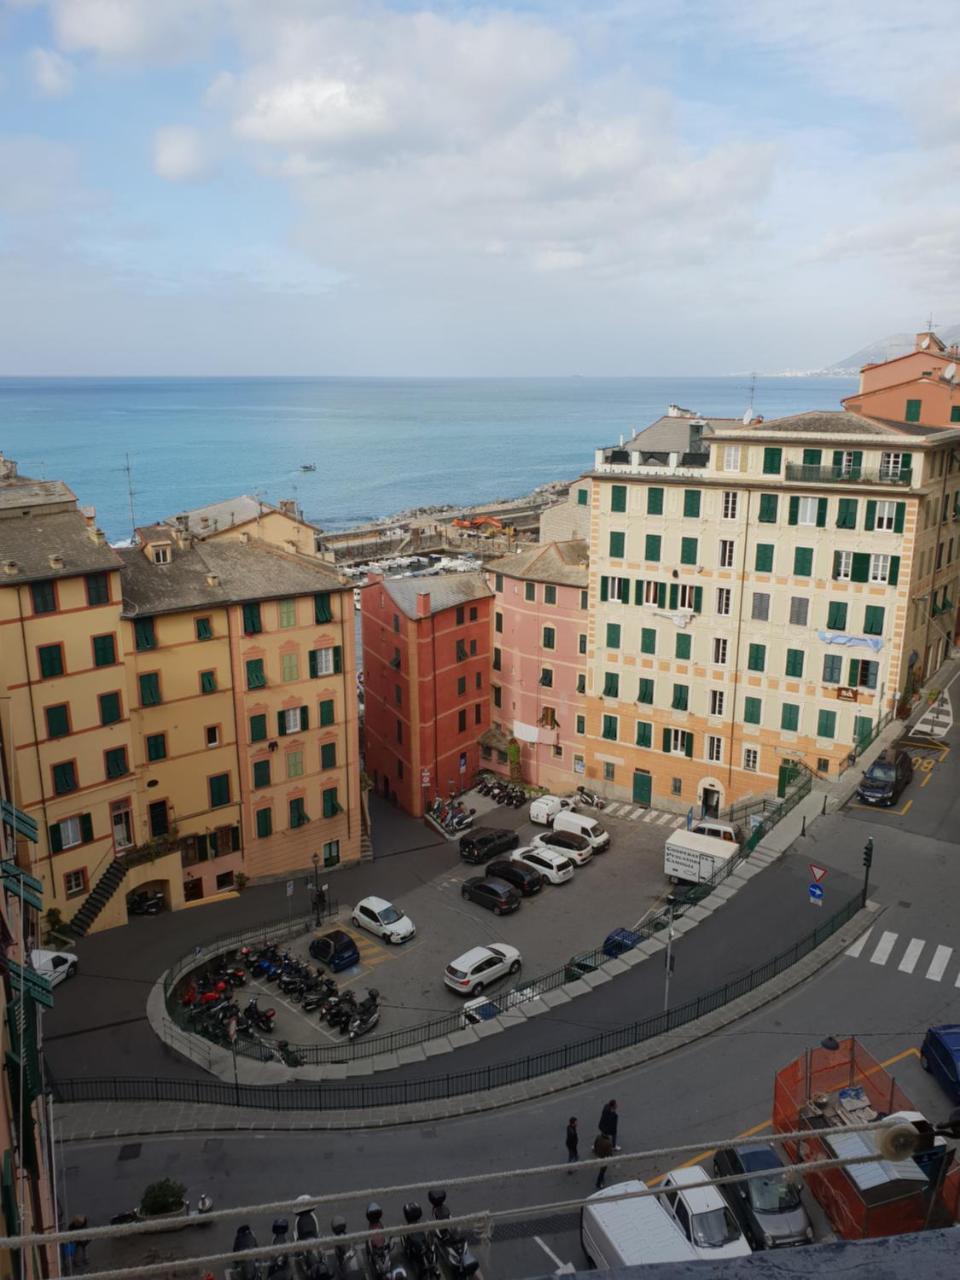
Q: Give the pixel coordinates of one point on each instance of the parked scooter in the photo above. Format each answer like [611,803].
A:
[451,1243]
[146,902]
[367,1015]
[281,1266]
[262,1019]
[589,798]
[247,1268]
[378,1247]
[324,990]
[306,1229]
[345,1256]
[420,1247]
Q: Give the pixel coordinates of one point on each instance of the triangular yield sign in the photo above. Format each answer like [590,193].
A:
[818,873]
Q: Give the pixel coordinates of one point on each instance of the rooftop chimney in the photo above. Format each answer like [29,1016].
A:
[55,561]
[204,522]
[213,580]
[10,567]
[423,604]
[289,507]
[89,516]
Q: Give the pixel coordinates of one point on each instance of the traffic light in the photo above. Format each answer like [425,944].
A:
[868,852]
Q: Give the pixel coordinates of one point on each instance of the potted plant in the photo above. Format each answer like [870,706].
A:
[240,881]
[163,1199]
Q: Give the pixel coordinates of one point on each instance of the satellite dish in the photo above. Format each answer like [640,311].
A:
[747,418]
[925,344]
[950,372]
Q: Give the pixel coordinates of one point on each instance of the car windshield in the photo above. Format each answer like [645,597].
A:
[390,915]
[454,972]
[773,1195]
[714,1228]
[880,771]
[495,951]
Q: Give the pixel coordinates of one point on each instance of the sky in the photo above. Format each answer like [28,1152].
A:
[457,188]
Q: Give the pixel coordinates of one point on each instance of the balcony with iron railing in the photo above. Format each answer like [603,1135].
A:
[847,475]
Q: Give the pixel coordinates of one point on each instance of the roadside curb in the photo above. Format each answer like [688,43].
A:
[179,1118]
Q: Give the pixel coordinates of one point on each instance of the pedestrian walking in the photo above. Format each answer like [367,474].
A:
[609,1119]
[573,1142]
[79,1223]
[603,1150]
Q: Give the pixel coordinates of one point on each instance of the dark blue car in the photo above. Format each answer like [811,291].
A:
[336,949]
[940,1055]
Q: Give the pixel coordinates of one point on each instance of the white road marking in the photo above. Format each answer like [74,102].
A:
[678,821]
[637,813]
[563,1268]
[860,943]
[613,808]
[883,948]
[911,955]
[664,817]
[939,962]
[650,815]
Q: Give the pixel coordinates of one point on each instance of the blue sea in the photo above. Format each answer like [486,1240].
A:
[380,445]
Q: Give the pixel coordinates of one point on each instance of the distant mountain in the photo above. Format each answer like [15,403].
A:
[897,344]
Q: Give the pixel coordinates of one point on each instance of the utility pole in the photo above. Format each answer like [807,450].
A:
[668,963]
[867,862]
[317,897]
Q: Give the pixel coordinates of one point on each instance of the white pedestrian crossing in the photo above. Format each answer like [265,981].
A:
[614,808]
[637,813]
[664,817]
[911,955]
[679,820]
[650,815]
[883,948]
[941,958]
[860,943]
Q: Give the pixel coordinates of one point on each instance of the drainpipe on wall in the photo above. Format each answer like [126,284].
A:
[736,649]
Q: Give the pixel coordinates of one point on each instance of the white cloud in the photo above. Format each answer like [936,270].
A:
[179,154]
[314,110]
[138,30]
[52,72]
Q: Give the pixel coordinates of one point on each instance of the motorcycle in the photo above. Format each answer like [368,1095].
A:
[281,1265]
[367,1015]
[262,1019]
[419,1247]
[146,903]
[305,1229]
[451,1243]
[247,1268]
[378,1247]
[589,798]
[325,989]
[344,1254]
[343,1011]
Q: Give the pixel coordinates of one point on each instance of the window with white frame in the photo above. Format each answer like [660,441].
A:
[730,503]
[615,589]
[731,457]
[70,833]
[799,611]
[291,719]
[760,612]
[726,553]
[886,516]
[847,463]
[807,511]
[678,741]
[844,566]
[716,702]
[751,758]
[890,465]
[74,883]
[879,568]
[714,748]
[324,660]
[651,592]
[719,651]
[686,595]
[724,598]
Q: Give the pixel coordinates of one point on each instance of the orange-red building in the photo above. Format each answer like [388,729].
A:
[426,662]
[922,386]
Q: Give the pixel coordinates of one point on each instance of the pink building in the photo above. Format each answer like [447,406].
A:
[539,648]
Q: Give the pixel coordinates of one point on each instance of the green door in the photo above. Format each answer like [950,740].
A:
[642,787]
[786,775]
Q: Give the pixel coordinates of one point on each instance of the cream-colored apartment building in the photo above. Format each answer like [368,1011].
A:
[762,593]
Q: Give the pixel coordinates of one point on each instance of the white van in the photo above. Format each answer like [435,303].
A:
[704,1217]
[719,830]
[545,808]
[693,858]
[581,825]
[628,1233]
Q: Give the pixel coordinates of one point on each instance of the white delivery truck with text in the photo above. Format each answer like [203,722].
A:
[693,858]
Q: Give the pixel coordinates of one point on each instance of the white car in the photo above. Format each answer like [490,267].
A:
[555,867]
[54,965]
[577,848]
[703,1215]
[544,809]
[472,972]
[383,919]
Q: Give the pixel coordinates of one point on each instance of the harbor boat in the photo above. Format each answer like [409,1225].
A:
[308,466]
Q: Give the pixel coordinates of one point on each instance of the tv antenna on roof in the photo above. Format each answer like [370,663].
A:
[748,414]
[133,518]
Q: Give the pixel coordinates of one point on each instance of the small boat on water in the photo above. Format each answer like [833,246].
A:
[308,466]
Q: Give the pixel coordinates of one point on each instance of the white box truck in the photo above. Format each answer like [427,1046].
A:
[693,858]
[628,1233]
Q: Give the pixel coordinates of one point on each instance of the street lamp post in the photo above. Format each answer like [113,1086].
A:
[867,862]
[668,959]
[316,889]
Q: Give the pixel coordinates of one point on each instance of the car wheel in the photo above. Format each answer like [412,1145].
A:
[498,911]
[515,967]
[356,922]
[72,970]
[477,990]
[464,893]
[925,1062]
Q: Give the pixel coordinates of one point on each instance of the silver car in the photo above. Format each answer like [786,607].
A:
[769,1209]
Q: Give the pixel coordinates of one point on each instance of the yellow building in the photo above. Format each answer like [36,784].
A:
[153,694]
[762,593]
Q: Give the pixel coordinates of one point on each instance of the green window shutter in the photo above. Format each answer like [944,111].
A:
[644,733]
[870,523]
[674,596]
[255,675]
[264,819]
[768,508]
[857,462]
[827,724]
[683,646]
[258,728]
[698,599]
[624,594]
[117,762]
[802,562]
[681,697]
[654,502]
[549,639]
[812,457]
[617,542]
[281,724]
[219,786]
[51,661]
[304,718]
[64,779]
[637,597]
[604,587]
[691,503]
[836,616]
[912,411]
[906,465]
[764,561]
[611,685]
[955,413]
[144,633]
[757,657]
[688,744]
[313,664]
[330,806]
[549,594]
[251,620]
[208,682]
[794,510]
[751,710]
[847,513]
[618,497]
[613,635]
[86,828]
[104,651]
[853,673]
[156,746]
[661,595]
[666,741]
[651,546]
[581,497]
[149,690]
[321,607]
[326,712]
[894,575]
[261,773]
[328,755]
[58,719]
[821,513]
[645,691]
[860,569]
[873,620]
[789,717]
[688,550]
[204,631]
[898,515]
[794,662]
[110,711]
[648,640]
[337,659]
[56,839]
[838,459]
[44,597]
[581,643]
[581,724]
[772,461]
[609,730]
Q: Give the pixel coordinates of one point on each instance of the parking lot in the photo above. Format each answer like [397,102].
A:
[616,888]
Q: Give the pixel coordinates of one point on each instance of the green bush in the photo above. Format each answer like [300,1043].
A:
[162,1197]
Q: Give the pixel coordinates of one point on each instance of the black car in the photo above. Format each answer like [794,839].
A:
[336,949]
[525,880]
[769,1209]
[886,778]
[483,843]
[496,895]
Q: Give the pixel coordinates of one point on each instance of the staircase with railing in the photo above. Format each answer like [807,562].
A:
[98,897]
